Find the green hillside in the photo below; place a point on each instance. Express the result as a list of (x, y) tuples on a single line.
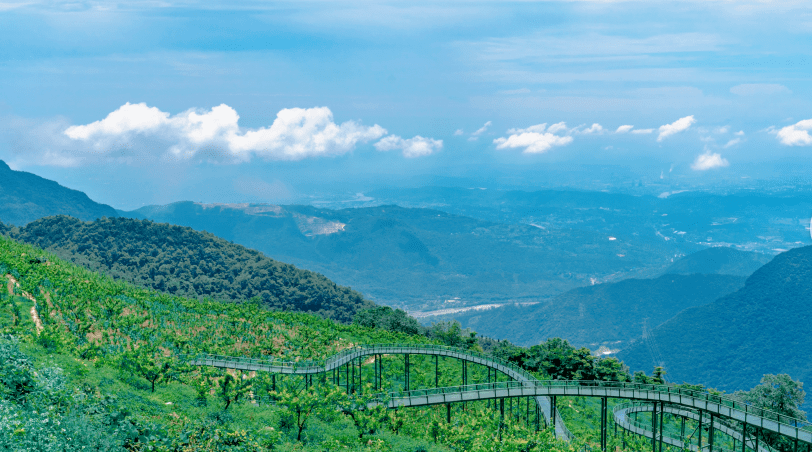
[(720, 260), (25, 197), (104, 363), (184, 262), (730, 343), (419, 258), (608, 314)]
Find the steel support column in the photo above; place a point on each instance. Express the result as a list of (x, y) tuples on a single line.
[(710, 434), (662, 411), (406, 371), (436, 371), (603, 424), (553, 414), (654, 428), (448, 412), (699, 432)]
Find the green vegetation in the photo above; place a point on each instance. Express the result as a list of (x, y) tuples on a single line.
[(610, 314), (181, 261), (25, 197), (731, 343), (111, 338), (418, 258), (719, 260)]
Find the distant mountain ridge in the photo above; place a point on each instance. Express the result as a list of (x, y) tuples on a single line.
[(730, 343), (25, 197), (719, 260), (417, 257), (610, 314), (181, 261)]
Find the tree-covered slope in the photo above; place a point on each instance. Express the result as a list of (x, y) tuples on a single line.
[(90, 362), (720, 260), (608, 314), (418, 258), (25, 197), (184, 262), (730, 343)]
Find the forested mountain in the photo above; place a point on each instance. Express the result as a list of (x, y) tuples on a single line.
[(419, 258), (90, 362), (608, 314), (25, 197), (720, 260), (755, 220), (184, 262), (730, 343)]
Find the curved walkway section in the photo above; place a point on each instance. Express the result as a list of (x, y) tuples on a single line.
[(347, 356), (622, 418), (719, 406)]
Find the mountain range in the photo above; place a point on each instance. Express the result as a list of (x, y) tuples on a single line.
[(419, 258), (25, 197), (730, 343)]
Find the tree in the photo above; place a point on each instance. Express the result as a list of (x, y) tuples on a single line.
[(302, 402), (149, 363), (366, 409), (779, 393), (231, 389)]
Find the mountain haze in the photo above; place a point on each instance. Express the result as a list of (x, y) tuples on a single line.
[(608, 314), (719, 260), (25, 197), (419, 258), (730, 343)]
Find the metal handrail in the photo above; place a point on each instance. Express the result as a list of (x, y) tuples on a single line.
[(319, 366)]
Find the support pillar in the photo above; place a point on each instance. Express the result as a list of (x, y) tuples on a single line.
[(710, 434), (699, 431), (538, 416), (273, 382), (654, 428), (448, 412), (436, 371), (682, 429), (501, 417), (553, 415), (662, 411), (406, 372), (603, 424)]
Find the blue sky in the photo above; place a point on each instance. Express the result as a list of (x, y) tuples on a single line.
[(152, 102)]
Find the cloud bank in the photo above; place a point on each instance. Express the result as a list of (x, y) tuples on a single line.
[(536, 139), (796, 134), (413, 147), (708, 161), (296, 134), (677, 126)]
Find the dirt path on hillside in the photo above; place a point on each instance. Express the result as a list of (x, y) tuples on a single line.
[(12, 282)]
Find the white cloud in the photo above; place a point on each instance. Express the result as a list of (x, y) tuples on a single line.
[(796, 134), (759, 89), (642, 131), (624, 129), (557, 127), (458, 132), (708, 161), (722, 130), (740, 133), (677, 126), (733, 142), (413, 147), (482, 129), (534, 139), (295, 134), (594, 129)]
